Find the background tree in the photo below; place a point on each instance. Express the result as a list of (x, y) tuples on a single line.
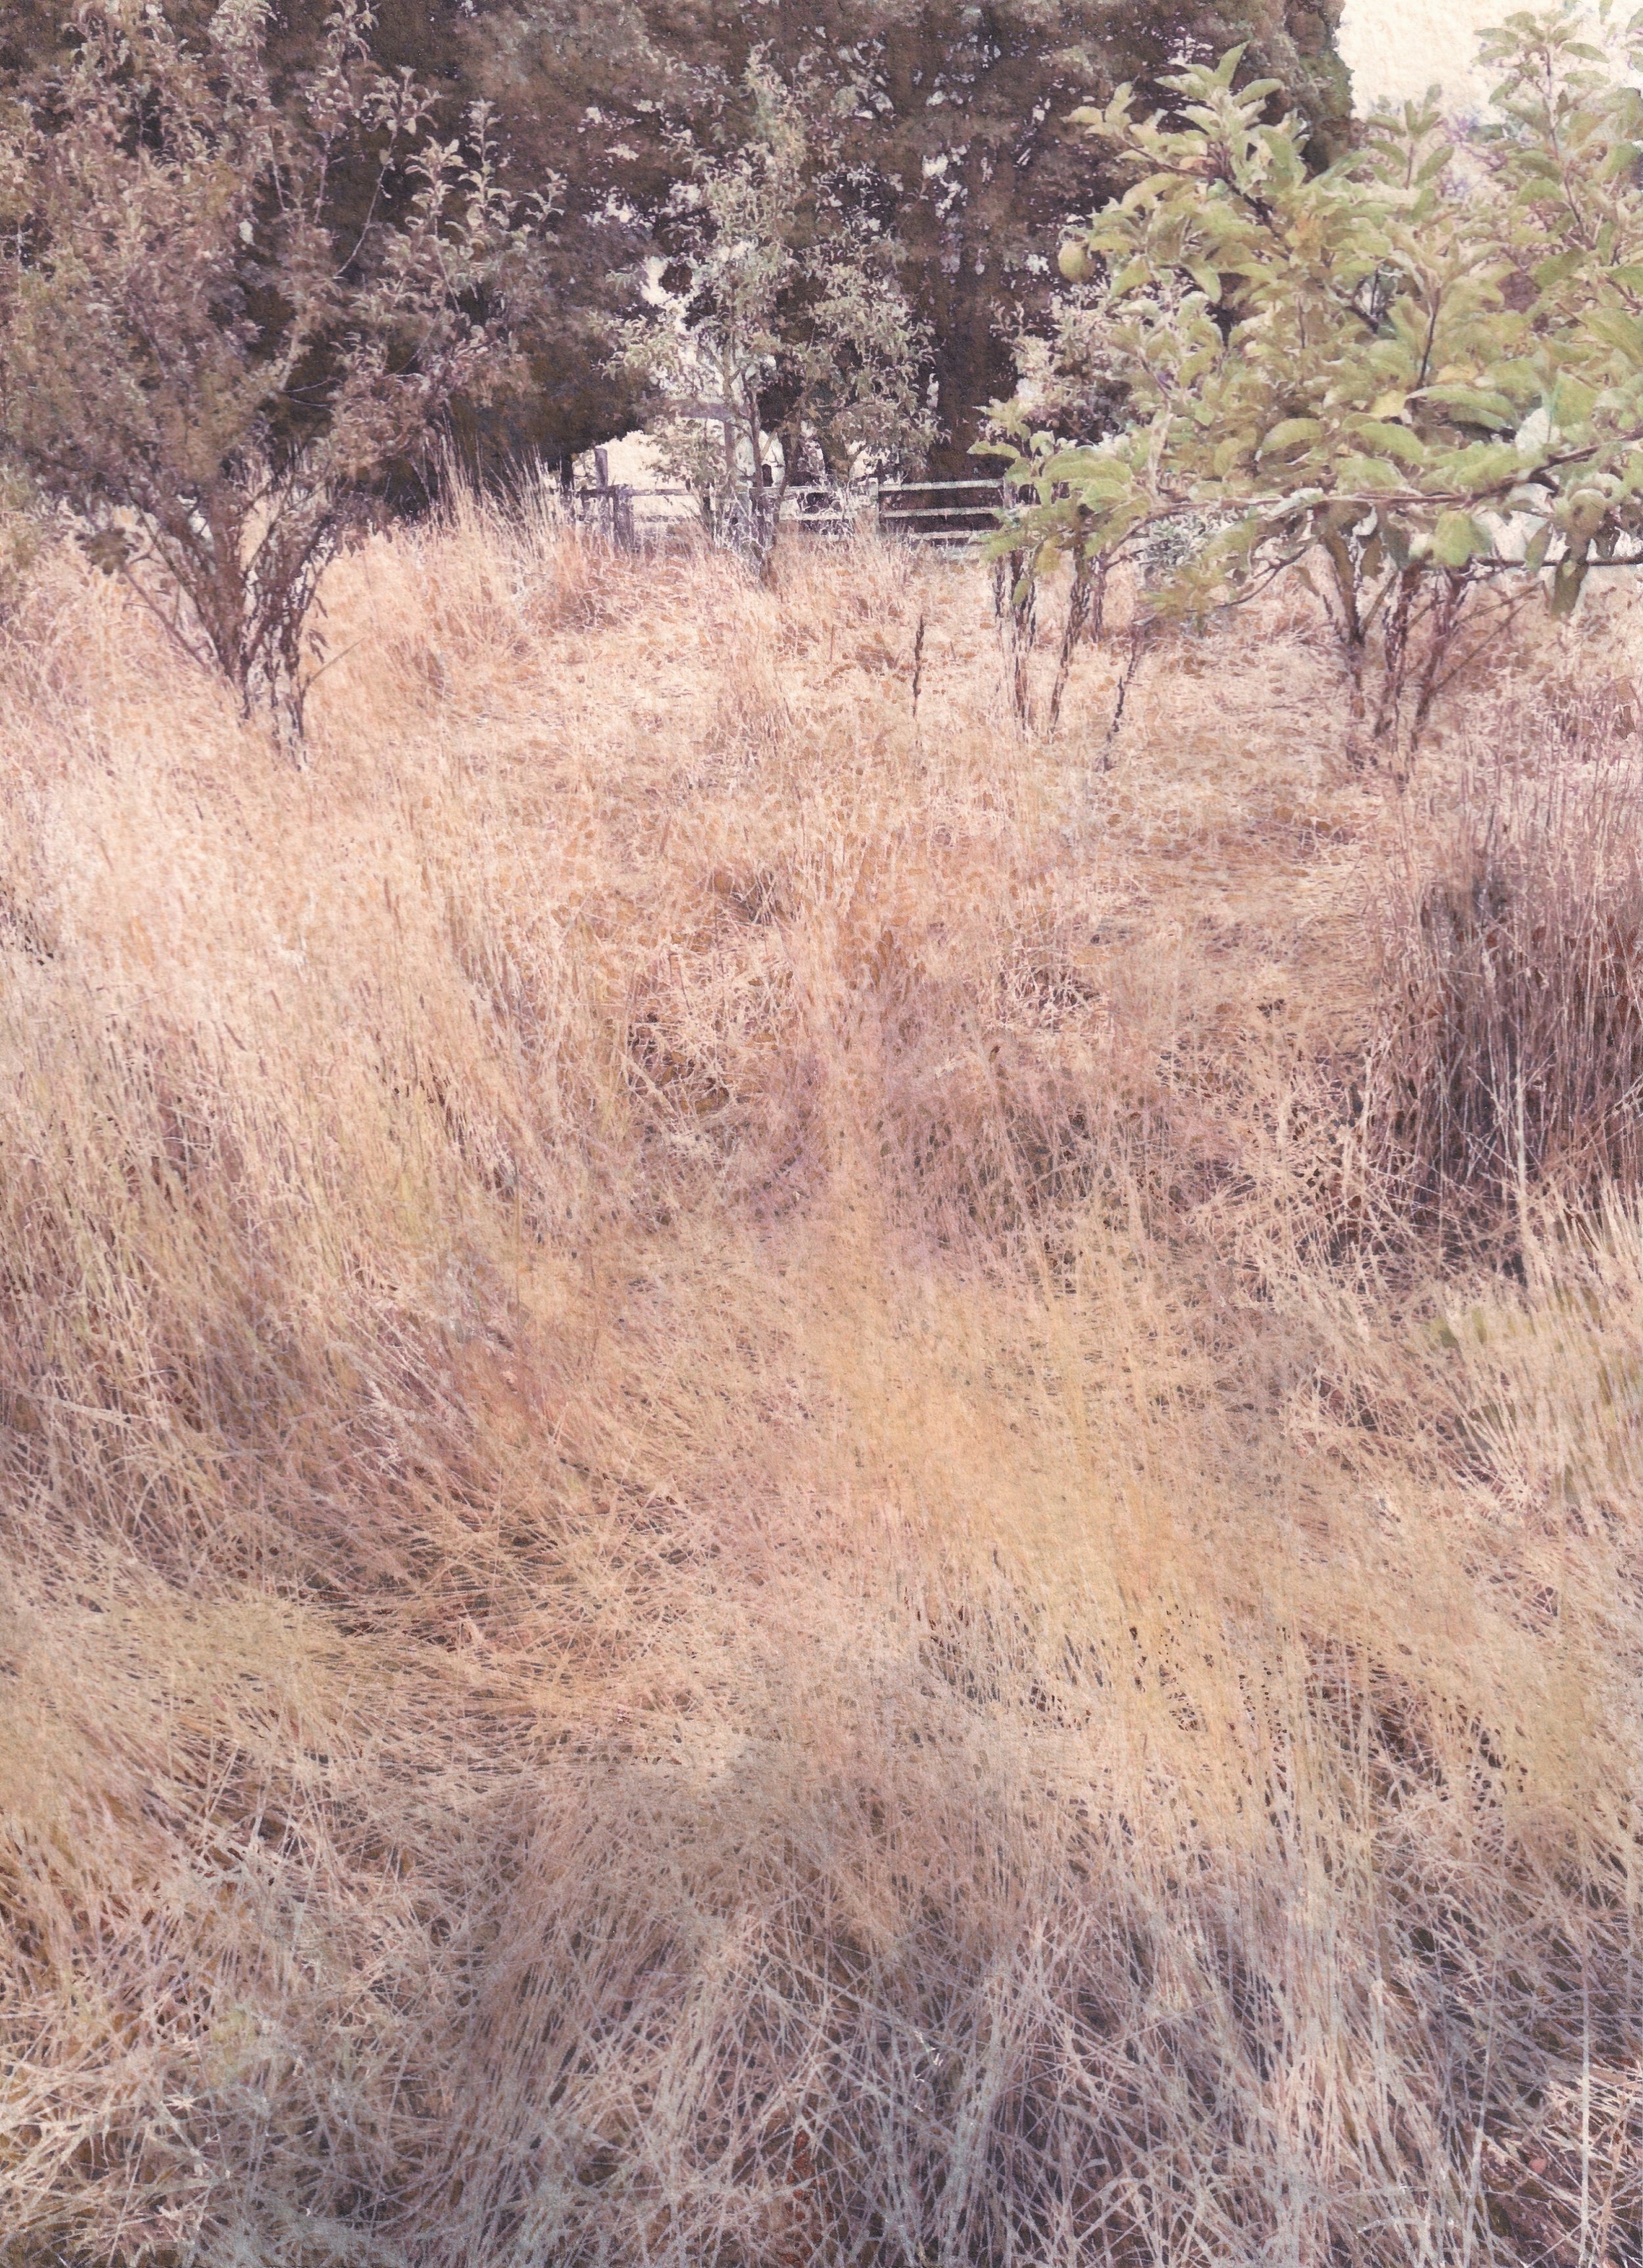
[(190, 360), (948, 120), (565, 393), (785, 344)]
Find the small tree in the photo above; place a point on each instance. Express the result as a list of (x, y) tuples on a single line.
[(782, 330), (1423, 373), (191, 362)]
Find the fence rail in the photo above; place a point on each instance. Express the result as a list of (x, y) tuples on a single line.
[(913, 512), (919, 512)]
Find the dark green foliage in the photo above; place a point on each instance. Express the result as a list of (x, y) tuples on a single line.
[(949, 122), (565, 397), (786, 349), (938, 145)]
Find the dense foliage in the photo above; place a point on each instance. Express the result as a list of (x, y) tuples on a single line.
[(943, 126), (1421, 365), (265, 263)]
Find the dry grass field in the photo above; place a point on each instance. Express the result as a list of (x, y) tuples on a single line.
[(789, 1480)]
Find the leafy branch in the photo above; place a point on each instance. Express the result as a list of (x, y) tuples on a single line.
[(1424, 362)]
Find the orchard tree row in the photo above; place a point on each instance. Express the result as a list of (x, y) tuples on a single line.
[(937, 128), (259, 266)]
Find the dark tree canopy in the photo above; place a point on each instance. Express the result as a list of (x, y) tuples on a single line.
[(950, 122), (592, 263)]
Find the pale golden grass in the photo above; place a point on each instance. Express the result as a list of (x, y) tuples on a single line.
[(714, 1551)]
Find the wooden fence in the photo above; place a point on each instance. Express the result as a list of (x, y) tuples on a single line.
[(947, 514), (938, 515), (942, 515)]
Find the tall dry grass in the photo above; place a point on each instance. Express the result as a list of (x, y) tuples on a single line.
[(711, 1557), (1511, 1053)]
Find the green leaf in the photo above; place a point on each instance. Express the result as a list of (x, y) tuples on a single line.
[(1289, 432), (1368, 476), (1617, 328), (1566, 587), (1457, 538), (1485, 465), (1086, 465), (1517, 377), (1470, 405), (1540, 543), (1553, 271), (1390, 439), (1105, 481), (1572, 402)]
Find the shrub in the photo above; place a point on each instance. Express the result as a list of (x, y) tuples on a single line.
[(190, 359)]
